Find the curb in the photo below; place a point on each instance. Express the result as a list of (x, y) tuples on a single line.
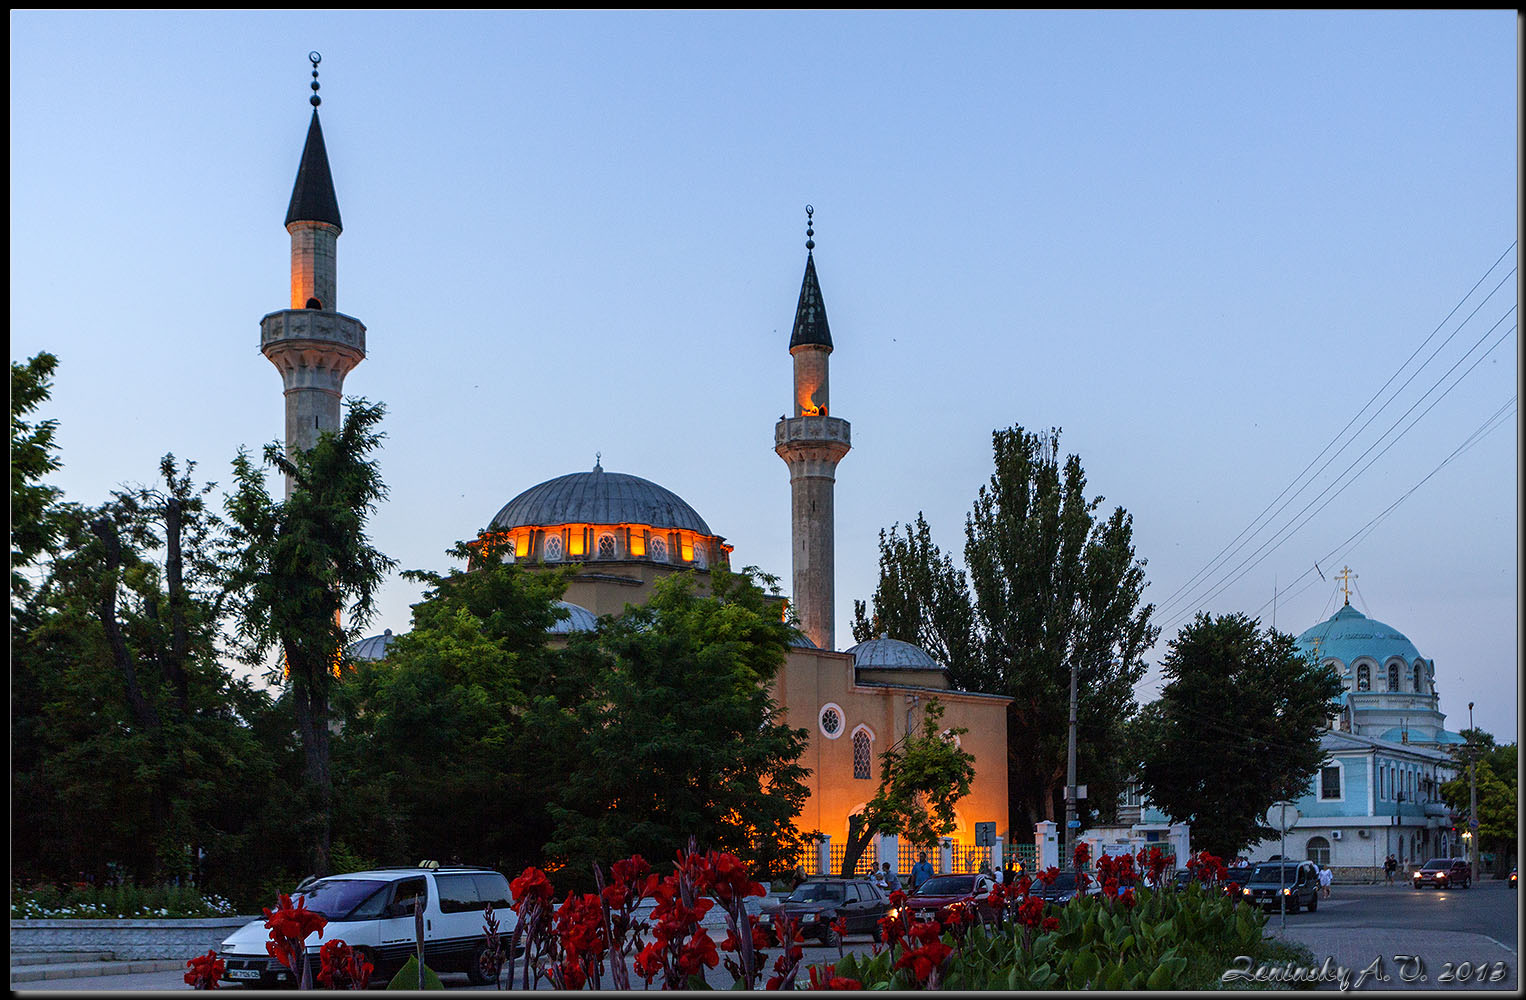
[(74, 970)]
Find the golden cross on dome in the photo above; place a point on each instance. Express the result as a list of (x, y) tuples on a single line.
[(1345, 576)]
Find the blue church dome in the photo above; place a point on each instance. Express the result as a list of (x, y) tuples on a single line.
[(1348, 634), (599, 497)]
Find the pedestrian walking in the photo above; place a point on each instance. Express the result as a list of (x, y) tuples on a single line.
[(1326, 876), (1389, 867), (889, 880)]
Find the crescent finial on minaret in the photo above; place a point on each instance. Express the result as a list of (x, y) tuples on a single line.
[(810, 244), (315, 58)]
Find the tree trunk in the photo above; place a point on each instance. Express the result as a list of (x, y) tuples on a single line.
[(143, 711), (859, 832), (311, 710), (175, 663)]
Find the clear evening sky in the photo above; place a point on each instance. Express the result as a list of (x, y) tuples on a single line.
[(1200, 244)]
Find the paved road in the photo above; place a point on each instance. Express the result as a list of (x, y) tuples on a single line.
[(1456, 939), (1360, 929)]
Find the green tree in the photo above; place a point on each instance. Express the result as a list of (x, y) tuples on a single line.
[(922, 776), (296, 566), (1237, 728), (1051, 586), (35, 518), (1496, 778), (669, 729), (455, 689)]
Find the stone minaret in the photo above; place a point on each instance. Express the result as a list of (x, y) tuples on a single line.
[(311, 345), (811, 444)]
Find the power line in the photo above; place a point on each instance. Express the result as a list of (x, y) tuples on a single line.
[(1232, 546), (1282, 534)]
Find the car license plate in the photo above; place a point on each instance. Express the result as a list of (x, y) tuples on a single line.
[(924, 915), (243, 973)]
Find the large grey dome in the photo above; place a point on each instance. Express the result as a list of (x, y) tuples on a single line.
[(579, 619), (372, 647), (599, 497), (892, 654)]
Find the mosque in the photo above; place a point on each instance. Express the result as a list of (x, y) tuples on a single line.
[(624, 533)]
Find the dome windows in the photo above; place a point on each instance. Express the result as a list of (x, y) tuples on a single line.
[(1363, 677), (657, 549), (607, 548), (551, 549)]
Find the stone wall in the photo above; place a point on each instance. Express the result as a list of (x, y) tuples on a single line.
[(125, 939)]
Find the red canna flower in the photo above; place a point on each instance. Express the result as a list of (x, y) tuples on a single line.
[(531, 885), (203, 971), (1051, 923)]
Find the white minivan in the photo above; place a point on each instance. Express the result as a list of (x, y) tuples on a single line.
[(372, 912)]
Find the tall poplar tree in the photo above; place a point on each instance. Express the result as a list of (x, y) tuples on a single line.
[(1051, 584)]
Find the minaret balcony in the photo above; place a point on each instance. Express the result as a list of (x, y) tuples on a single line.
[(812, 430), (312, 327)]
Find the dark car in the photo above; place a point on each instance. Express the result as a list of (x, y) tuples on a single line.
[(1511, 881), (1063, 889), (953, 891), (1271, 882), (1444, 873), (818, 902)]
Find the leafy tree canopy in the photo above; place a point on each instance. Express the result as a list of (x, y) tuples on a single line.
[(669, 729), (35, 522), (1237, 727), (1497, 781)]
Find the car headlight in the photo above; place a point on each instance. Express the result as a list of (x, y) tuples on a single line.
[(1287, 891), (892, 913)]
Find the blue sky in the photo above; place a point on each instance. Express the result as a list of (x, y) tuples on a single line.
[(1197, 243)]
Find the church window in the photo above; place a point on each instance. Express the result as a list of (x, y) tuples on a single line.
[(830, 720), (658, 549), (861, 755), (699, 555), (1393, 677), (1417, 679), (1319, 851), (551, 551), (1330, 782), (606, 546), (1364, 678)]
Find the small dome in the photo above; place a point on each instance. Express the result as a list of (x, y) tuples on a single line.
[(892, 654), (599, 497), (371, 648), (1349, 634), (803, 641), (579, 619)]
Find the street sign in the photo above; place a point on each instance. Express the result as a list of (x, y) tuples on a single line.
[(985, 834), (1074, 824), (1282, 816)]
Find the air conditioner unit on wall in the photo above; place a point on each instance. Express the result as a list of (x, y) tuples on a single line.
[(1364, 834), (1335, 835)]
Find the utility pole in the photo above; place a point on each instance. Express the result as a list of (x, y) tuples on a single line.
[(1070, 775), (1472, 798)]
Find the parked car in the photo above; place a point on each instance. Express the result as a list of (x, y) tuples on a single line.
[(372, 912), (1063, 889), (1444, 873), (1271, 882), (816, 903), (951, 892)]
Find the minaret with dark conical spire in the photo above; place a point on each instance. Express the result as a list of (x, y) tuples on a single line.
[(811, 444), (313, 346)]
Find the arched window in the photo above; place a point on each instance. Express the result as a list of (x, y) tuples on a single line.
[(1393, 677), (1418, 677), (657, 548), (551, 551), (606, 546), (1319, 851), (1364, 678), (699, 555), (861, 755)]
